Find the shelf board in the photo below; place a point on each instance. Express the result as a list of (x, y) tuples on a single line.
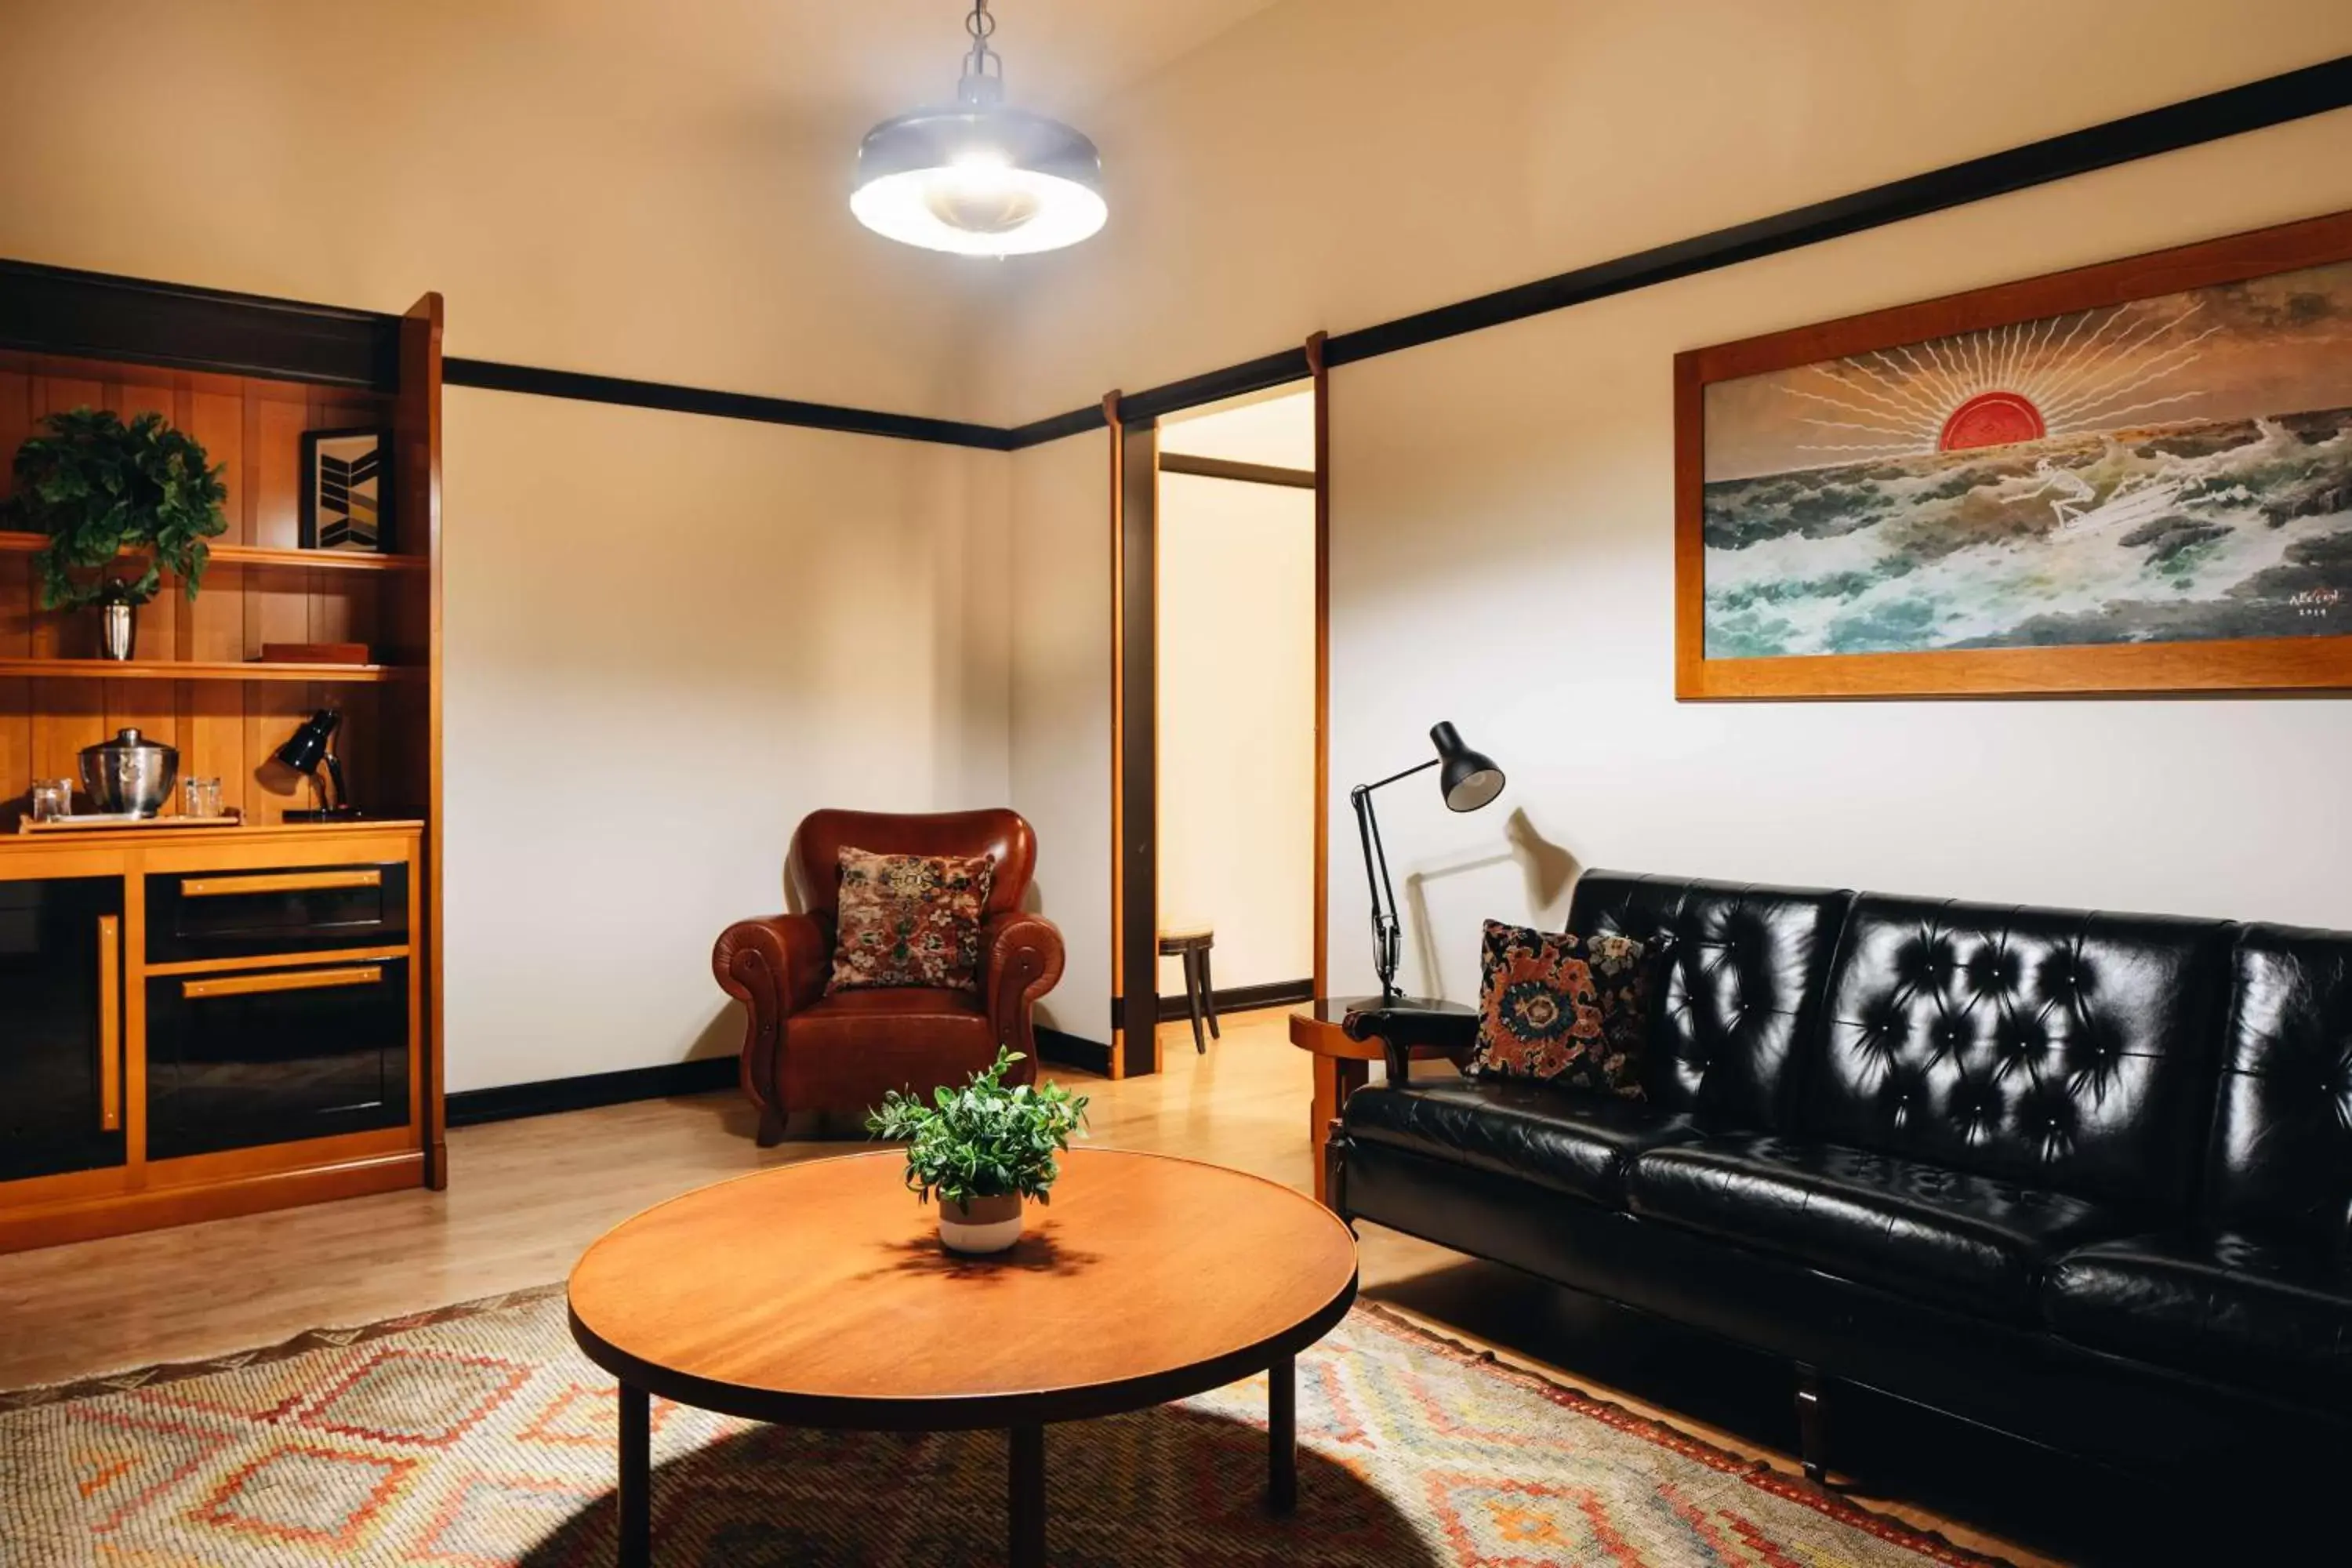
[(18, 543), (199, 669)]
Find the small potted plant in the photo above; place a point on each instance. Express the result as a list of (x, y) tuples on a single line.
[(100, 488), (984, 1149)]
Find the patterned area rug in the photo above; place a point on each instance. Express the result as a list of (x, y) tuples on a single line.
[(477, 1436)]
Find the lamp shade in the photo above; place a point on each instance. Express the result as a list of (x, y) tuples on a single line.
[(979, 179), (1470, 779), (308, 745)]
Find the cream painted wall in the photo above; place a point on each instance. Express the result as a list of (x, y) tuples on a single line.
[(1501, 552), (578, 208), (1539, 617), (1060, 709), (697, 629), (1237, 724), (1334, 163), (668, 638)]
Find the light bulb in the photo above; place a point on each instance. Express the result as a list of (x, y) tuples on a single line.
[(979, 195)]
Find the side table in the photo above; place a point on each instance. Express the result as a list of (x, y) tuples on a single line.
[(1341, 1065)]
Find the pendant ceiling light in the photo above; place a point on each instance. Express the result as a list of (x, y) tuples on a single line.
[(979, 178)]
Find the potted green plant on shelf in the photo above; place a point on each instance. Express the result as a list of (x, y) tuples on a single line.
[(98, 489), (984, 1149)]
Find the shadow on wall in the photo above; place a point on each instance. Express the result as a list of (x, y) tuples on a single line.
[(1547, 869)]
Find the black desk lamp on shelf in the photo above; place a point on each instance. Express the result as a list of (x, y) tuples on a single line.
[(1469, 780), (311, 748)]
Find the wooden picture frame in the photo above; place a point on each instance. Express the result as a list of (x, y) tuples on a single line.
[(333, 516), (2009, 432)]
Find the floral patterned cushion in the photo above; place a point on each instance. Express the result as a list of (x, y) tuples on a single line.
[(1571, 1010), (909, 920)]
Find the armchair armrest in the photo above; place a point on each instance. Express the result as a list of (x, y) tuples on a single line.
[(775, 965), (1021, 960), (1402, 1030)]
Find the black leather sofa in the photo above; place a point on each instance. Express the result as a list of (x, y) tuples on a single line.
[(2084, 1178)]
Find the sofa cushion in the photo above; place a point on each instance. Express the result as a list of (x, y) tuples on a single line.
[(1569, 1142), (1974, 1243), (1562, 1009), (2275, 1315), (2050, 1048), (1740, 993), (2281, 1161)]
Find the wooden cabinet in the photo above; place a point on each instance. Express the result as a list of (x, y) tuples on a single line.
[(197, 1021), (60, 1026), (203, 1022)]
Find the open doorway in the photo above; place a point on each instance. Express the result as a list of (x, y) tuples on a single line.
[(1262, 454), (1236, 674)]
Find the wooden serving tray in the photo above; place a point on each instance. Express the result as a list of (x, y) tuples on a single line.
[(99, 822)]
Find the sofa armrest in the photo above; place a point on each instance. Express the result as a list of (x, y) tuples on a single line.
[(775, 965), (1021, 960), (1403, 1030)]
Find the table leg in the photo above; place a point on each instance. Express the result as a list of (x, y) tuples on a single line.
[(1025, 1498), (1335, 1078), (636, 1478), (1282, 1436)]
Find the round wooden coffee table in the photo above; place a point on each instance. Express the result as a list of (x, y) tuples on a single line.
[(817, 1295)]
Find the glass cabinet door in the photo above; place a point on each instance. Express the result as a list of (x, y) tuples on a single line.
[(256, 1056), (60, 1026)]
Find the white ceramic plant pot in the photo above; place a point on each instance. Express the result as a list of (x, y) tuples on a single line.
[(985, 1224)]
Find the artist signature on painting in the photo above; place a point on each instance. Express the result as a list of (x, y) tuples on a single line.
[(2313, 603)]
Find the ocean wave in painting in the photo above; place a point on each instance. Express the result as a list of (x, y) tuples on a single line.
[(2169, 532)]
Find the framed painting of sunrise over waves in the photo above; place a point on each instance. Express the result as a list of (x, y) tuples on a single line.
[(2136, 477)]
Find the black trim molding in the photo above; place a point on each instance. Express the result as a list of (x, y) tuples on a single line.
[(95, 315), (1225, 468), (511, 1101), (494, 376), (1072, 1050), (1241, 998), (2273, 101)]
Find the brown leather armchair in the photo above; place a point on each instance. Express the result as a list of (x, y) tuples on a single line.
[(806, 1051)]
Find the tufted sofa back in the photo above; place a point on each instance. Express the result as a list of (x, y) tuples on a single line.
[(2281, 1161), (2051, 1048), (1743, 991)]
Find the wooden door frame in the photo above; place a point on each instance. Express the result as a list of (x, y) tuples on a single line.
[(1134, 449)]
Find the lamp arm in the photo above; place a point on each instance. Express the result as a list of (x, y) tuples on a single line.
[(1387, 929), (335, 772)]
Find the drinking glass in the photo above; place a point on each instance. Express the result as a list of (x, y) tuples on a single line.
[(52, 798), (200, 797)]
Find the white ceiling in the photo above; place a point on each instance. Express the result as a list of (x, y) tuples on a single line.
[(830, 61)]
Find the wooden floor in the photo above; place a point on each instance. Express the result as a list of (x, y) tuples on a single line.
[(525, 1197)]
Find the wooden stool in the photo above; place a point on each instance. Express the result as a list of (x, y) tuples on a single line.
[(1193, 943)]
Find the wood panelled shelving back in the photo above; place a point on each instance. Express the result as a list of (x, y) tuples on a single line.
[(197, 684)]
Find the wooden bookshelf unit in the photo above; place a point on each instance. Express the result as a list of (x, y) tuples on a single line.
[(169, 996)]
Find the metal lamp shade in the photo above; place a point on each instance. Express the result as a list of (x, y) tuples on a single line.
[(1469, 779), (306, 747), (979, 180)]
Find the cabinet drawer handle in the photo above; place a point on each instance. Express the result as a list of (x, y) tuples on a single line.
[(277, 882), (293, 980), (110, 1022)]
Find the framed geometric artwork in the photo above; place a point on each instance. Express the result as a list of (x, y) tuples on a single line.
[(2129, 478), (347, 491)]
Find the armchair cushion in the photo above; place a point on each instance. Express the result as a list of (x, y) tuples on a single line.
[(911, 920)]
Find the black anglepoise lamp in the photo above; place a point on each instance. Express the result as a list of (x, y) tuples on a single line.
[(312, 746), (1469, 780)]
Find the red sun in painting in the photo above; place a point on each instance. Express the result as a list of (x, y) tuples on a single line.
[(1991, 419)]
